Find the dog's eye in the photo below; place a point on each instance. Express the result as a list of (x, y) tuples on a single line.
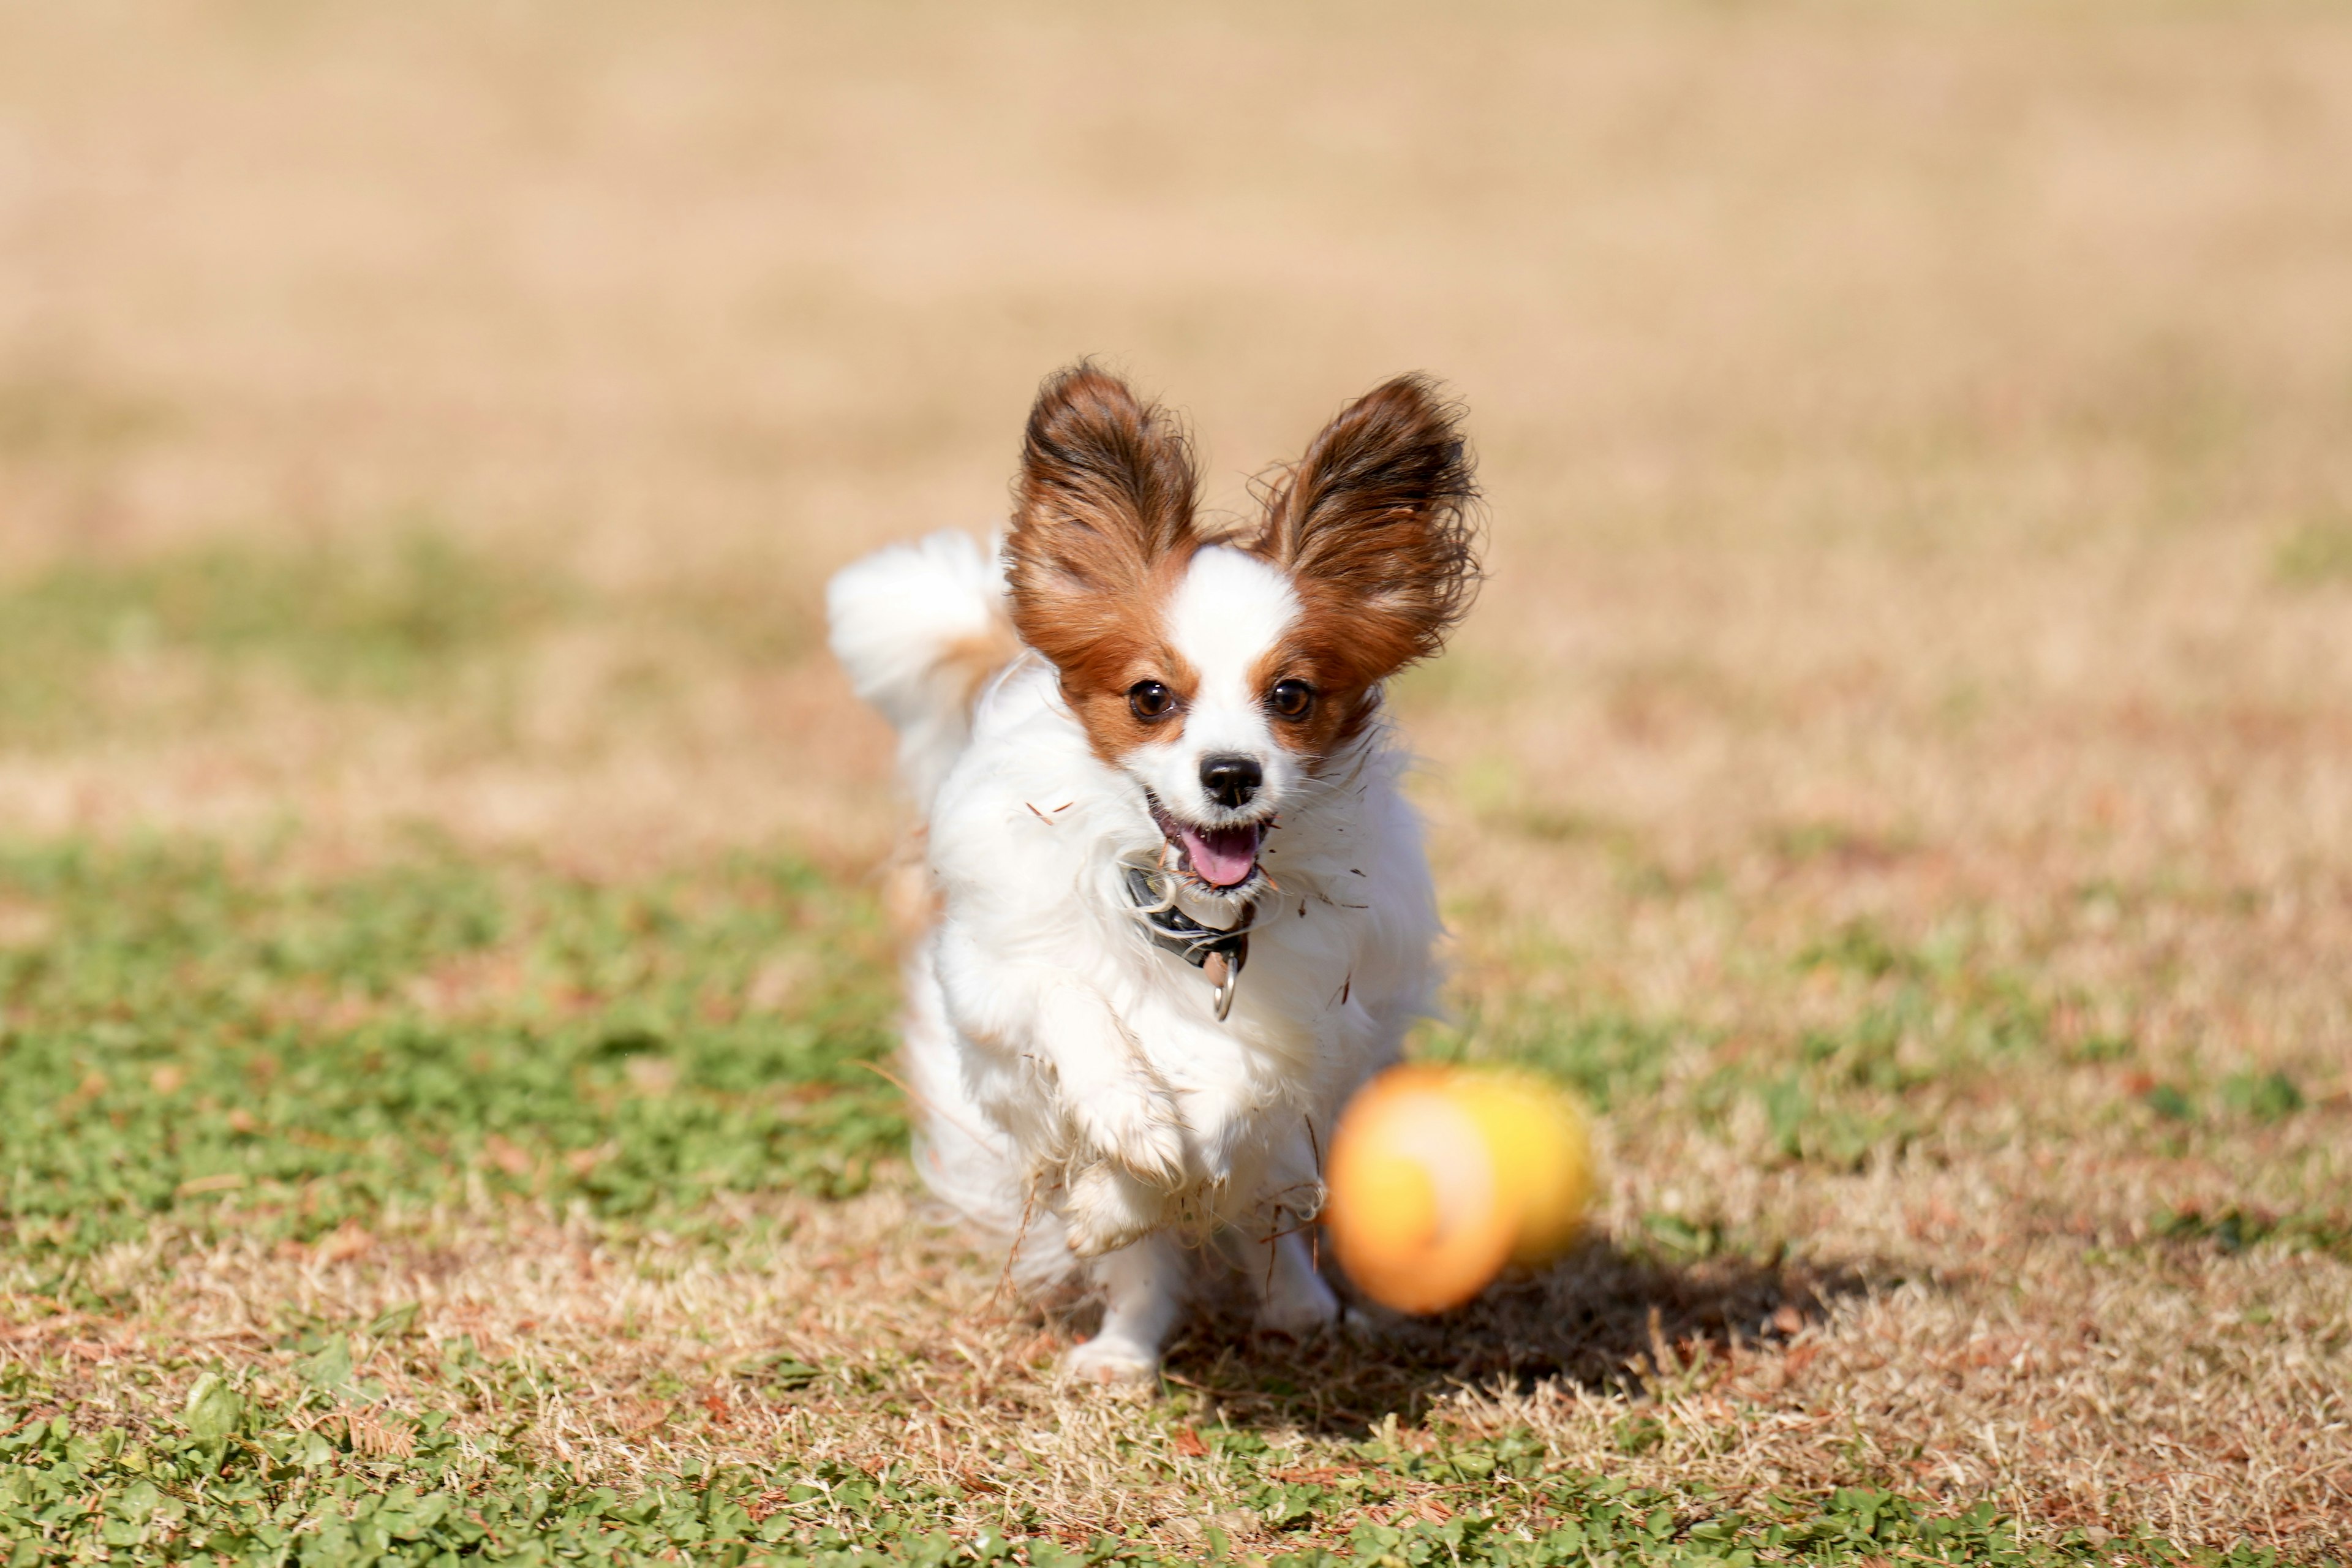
[(1151, 700), (1292, 698)]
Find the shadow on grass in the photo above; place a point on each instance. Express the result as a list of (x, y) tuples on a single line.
[(1604, 1319)]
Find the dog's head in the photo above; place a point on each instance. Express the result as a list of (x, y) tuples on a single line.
[(1222, 674)]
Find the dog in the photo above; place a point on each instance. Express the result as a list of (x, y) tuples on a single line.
[(1179, 905)]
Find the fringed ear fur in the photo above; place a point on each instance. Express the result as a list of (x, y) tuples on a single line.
[(1377, 527), (1103, 510)]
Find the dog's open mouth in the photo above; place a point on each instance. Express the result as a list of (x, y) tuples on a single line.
[(1221, 856)]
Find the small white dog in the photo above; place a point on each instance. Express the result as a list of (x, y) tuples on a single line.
[(1182, 909)]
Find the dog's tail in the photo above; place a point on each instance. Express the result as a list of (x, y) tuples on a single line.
[(920, 627)]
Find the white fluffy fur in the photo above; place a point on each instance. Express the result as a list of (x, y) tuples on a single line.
[(896, 617), (1077, 1090)]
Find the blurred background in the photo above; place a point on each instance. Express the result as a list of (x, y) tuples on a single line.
[(1922, 428), (1900, 768)]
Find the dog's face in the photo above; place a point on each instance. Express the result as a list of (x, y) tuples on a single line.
[(1221, 674)]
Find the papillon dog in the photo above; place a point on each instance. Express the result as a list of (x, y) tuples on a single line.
[(1177, 907)]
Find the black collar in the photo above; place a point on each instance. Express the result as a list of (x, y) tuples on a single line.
[(1219, 955)]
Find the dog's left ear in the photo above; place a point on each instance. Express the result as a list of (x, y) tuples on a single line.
[(1376, 525)]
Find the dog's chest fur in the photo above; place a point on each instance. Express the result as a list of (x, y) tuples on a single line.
[(1030, 840)]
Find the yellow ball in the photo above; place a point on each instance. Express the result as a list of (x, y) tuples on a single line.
[(1441, 1176)]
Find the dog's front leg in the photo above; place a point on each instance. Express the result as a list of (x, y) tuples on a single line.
[(1143, 1288), (1118, 1109), (1071, 1086), (1293, 1298)]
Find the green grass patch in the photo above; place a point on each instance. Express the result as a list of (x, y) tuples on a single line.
[(186, 1039), (1609, 1057), (2260, 1097), (1915, 1025), (391, 619), (1920, 1022), (2235, 1228), (2318, 553), (230, 1474)]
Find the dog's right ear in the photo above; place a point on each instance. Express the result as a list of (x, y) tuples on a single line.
[(1102, 512)]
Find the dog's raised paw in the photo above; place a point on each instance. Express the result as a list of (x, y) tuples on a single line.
[(1135, 1126), (1108, 1209)]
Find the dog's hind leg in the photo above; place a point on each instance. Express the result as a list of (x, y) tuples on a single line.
[(1293, 1298), (1143, 1288)]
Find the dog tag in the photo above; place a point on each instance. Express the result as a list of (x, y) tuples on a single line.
[(1222, 973)]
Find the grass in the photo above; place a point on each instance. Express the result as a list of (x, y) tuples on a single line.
[(2318, 553), (301, 1477), (219, 1049), (205, 636), (348, 1102), (400, 620)]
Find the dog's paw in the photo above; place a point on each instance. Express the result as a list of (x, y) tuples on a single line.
[(1300, 1308), (1109, 1360), (1104, 1209), (1134, 1125)]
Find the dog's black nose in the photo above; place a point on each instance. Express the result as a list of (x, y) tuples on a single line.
[(1231, 780)]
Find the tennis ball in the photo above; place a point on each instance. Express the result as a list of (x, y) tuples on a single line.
[(1441, 1176)]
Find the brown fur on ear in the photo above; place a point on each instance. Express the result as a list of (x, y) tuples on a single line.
[(1376, 527), (1102, 528)]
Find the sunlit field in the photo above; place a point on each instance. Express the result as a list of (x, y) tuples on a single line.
[(1899, 769)]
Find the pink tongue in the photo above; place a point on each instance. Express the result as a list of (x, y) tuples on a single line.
[(1221, 856)]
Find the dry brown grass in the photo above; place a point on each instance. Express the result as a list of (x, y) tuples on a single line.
[(1919, 448), (1945, 1354)]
